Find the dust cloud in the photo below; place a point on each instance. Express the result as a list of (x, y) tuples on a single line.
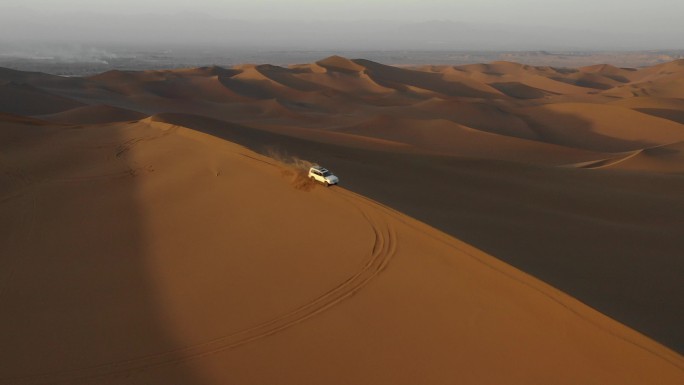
[(293, 167)]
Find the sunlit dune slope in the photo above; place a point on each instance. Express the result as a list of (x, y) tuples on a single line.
[(601, 127), (551, 222), (151, 253), (447, 137), (572, 175)]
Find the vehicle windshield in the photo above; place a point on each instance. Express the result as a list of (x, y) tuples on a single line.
[(326, 173)]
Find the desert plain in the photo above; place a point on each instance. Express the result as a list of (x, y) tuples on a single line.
[(495, 223)]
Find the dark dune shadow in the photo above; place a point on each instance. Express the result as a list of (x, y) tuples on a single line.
[(673, 115), (519, 90), (612, 240), (585, 82), (430, 81), (256, 89), (77, 298), (285, 77), (24, 99), (617, 78)]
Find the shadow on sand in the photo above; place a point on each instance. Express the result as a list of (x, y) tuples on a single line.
[(78, 300)]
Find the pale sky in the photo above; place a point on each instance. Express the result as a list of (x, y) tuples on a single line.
[(541, 24)]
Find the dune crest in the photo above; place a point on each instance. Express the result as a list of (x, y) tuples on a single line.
[(225, 292), (340, 64), (573, 108), (495, 223), (94, 115)]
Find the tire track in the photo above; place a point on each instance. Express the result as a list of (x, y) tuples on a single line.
[(673, 359), (383, 249)]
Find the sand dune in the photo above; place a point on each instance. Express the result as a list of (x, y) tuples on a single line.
[(600, 127), (168, 300), (446, 137), (520, 90), (443, 84), (275, 108), (669, 70), (546, 79), (267, 138), (667, 158), (287, 77), (479, 115), (340, 64), (663, 88), (345, 76), (94, 115), (597, 82), (24, 99), (38, 79), (496, 223), (609, 70), (338, 92), (12, 118)]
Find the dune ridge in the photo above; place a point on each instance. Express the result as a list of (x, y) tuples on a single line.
[(573, 108), (495, 223), (295, 296)]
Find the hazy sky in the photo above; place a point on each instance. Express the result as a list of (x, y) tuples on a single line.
[(613, 13), (541, 24)]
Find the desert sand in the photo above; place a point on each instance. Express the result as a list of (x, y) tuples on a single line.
[(498, 223)]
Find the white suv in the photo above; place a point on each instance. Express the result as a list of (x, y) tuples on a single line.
[(320, 174)]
